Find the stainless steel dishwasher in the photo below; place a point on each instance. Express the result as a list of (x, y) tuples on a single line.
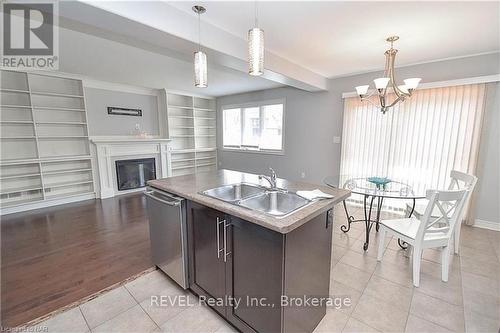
[(167, 230)]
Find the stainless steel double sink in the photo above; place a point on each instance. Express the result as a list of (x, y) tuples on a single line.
[(275, 202)]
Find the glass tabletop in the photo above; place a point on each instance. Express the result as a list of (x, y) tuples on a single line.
[(373, 187)]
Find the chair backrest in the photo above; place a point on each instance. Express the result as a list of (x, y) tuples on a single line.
[(450, 204), (462, 180)]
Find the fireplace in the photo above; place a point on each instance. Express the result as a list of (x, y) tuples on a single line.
[(131, 174)]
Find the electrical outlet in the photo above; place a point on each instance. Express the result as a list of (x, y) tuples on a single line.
[(303, 174), (336, 139)]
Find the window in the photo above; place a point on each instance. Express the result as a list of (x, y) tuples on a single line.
[(254, 127)]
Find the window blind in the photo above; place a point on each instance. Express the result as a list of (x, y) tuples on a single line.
[(417, 142)]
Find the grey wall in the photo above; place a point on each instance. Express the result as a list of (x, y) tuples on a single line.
[(313, 119), (101, 123), (488, 169)]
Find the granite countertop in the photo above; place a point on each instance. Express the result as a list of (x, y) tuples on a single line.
[(189, 186)]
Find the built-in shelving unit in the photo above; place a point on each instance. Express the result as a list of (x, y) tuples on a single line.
[(45, 151), (192, 128)]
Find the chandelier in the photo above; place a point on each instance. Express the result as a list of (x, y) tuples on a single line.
[(387, 84)]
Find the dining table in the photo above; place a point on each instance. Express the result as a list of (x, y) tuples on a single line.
[(374, 192)]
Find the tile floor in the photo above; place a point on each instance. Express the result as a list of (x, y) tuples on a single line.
[(382, 295)]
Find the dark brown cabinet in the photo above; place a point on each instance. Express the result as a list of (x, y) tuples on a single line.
[(230, 257), (254, 274), (207, 269)]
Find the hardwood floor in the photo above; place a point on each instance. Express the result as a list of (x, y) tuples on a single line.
[(55, 256)]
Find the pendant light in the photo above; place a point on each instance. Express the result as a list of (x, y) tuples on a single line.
[(200, 58), (256, 49)]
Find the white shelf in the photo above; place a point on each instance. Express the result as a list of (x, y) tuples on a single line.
[(52, 159), (17, 137), (14, 91), (16, 122), (56, 152), (206, 118), (58, 172), (67, 195), (183, 160), (180, 107), (55, 94), (20, 176), (16, 106), (206, 157), (184, 167), (60, 123), (181, 117), (21, 201), (57, 108), (206, 164), (191, 131), (21, 189), (65, 184), (64, 137)]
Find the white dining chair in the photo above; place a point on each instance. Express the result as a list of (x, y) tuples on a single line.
[(459, 180), (429, 231)]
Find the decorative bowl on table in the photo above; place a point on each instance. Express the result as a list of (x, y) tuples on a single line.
[(380, 182)]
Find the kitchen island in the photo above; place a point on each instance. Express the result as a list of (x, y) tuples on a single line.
[(264, 273)]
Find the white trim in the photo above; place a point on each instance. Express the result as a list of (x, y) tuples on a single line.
[(486, 225), (242, 150), (46, 203), (341, 76), (448, 83)]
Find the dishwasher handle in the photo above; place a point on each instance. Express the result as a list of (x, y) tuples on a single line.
[(170, 203)]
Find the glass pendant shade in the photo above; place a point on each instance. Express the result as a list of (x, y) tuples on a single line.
[(381, 83), (256, 51), (412, 83), (200, 70), (362, 90)]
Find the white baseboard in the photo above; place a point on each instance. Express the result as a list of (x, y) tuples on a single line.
[(487, 225), (46, 203)]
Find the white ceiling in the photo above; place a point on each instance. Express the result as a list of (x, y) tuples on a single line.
[(340, 38)]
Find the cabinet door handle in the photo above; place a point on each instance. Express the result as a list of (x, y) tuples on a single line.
[(218, 236), (226, 253)]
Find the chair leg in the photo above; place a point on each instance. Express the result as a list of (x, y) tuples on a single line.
[(417, 257), (381, 242), (456, 238), (445, 263)]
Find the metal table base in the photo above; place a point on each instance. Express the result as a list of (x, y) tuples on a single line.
[(369, 222)]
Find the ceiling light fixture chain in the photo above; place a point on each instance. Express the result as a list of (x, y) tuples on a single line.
[(200, 58), (388, 83)]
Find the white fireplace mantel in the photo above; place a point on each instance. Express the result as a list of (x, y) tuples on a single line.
[(108, 149)]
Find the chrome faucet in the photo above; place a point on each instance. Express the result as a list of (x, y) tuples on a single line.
[(271, 179)]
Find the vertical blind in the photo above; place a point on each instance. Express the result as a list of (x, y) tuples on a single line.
[(419, 141)]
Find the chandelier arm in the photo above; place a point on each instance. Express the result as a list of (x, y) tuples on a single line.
[(392, 57), (399, 99), (375, 105)]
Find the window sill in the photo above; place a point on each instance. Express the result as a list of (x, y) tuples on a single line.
[(265, 152)]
